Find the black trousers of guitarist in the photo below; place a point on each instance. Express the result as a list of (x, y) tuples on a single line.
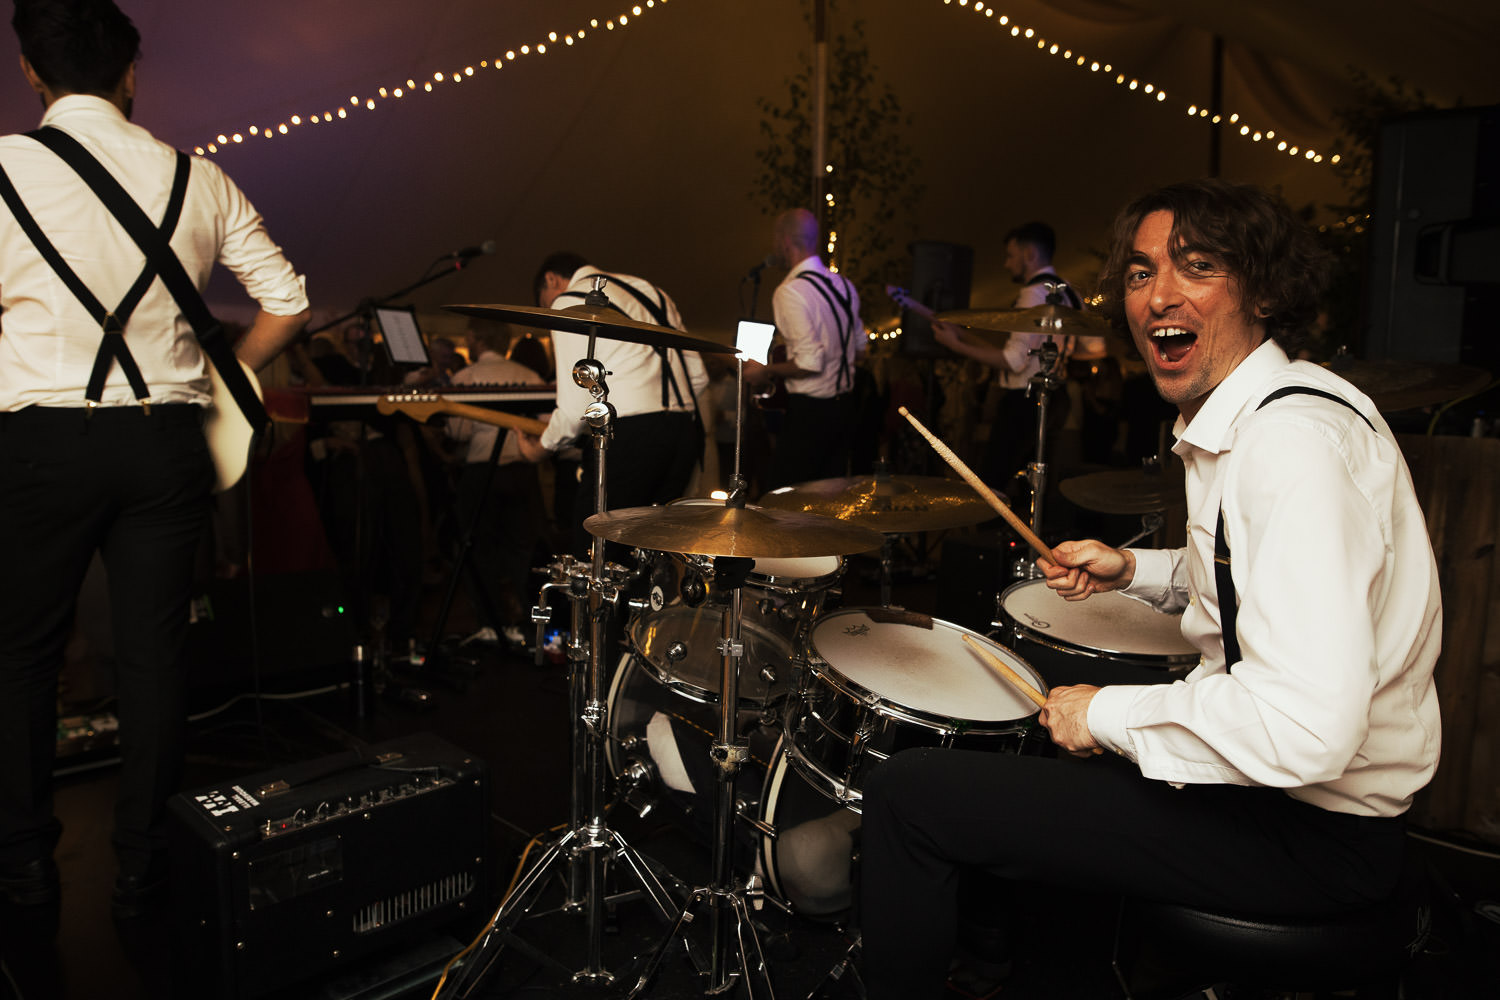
[(135, 487)]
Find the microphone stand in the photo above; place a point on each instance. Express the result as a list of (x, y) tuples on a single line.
[(365, 305)]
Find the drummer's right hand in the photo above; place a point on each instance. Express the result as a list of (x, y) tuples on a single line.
[(531, 446), (1087, 567)]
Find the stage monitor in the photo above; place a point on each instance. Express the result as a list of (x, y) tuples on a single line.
[(402, 336)]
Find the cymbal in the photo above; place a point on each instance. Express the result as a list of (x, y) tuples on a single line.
[(601, 321), (1126, 491), (1044, 319), (1405, 385), (716, 529), (892, 504)]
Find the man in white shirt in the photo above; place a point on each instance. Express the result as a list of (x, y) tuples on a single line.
[(817, 317), (108, 456), (657, 439), (1029, 249), (1273, 779)]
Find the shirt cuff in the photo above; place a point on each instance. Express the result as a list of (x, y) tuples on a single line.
[(1109, 712), (1152, 581)]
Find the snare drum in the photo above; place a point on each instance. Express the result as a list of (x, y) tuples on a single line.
[(1107, 639), (878, 681)]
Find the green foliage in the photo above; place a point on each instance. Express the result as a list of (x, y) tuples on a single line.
[(873, 180)]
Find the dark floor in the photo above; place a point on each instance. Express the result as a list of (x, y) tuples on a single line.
[(514, 716)]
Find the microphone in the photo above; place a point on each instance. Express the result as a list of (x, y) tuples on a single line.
[(467, 253), (766, 262)]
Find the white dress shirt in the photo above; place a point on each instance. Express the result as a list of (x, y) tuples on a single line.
[(1020, 363), (811, 330), (1339, 619), (635, 372), (490, 368), (49, 340)]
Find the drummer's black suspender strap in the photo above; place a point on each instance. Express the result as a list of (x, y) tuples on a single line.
[(162, 260), (841, 303), (1229, 602)]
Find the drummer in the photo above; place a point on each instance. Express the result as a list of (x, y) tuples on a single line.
[(657, 438), (1274, 779)]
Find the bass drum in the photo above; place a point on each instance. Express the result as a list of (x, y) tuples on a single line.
[(1107, 639), (658, 750), (806, 841)]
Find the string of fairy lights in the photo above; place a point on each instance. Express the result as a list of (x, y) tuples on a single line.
[(428, 84), (412, 86), (1145, 88)]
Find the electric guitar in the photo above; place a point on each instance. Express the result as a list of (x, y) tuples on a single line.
[(423, 406)]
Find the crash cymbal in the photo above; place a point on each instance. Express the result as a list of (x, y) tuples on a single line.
[(1404, 385), (1126, 491), (1037, 319), (716, 529), (892, 504), (601, 321)]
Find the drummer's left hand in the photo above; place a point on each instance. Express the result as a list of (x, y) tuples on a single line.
[(1066, 716)]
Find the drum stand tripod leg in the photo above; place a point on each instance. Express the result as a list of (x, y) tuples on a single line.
[(589, 842), (728, 912)]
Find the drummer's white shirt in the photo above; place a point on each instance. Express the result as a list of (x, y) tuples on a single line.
[(1340, 618)]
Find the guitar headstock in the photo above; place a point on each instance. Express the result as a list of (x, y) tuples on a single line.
[(903, 298), (422, 406)]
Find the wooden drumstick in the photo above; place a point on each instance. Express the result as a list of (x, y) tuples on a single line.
[(1002, 668), (1001, 507)]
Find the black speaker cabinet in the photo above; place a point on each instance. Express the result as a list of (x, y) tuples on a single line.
[(300, 871), (941, 274), (1434, 283), (971, 576)]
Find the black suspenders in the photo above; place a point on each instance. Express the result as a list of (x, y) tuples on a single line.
[(1229, 606), (658, 312), (112, 347), (843, 310)]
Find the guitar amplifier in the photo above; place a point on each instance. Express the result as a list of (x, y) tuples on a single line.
[(302, 870)]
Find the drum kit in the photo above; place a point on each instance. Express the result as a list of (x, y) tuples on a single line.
[(743, 687)]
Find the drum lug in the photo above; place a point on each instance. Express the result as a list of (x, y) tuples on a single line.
[(635, 784), (729, 757), (676, 652)]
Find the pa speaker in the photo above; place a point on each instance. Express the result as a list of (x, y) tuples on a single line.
[(941, 274), (1434, 278)]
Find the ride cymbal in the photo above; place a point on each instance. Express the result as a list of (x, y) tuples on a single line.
[(600, 321), (890, 504), (1044, 319), (717, 529), (1126, 491), (1405, 385)]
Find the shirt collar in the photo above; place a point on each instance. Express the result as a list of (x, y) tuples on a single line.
[(1212, 430), (73, 105), (812, 262)]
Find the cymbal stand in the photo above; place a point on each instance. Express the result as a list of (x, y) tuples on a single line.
[(728, 754), (589, 842), (1043, 384), (729, 913)]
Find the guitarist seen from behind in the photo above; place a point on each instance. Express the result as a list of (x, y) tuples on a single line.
[(817, 315), (103, 389)]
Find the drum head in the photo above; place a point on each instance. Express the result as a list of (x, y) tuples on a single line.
[(808, 859), (1108, 624), (682, 646), (933, 671)]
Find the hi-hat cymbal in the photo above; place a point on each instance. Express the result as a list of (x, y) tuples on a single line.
[(1126, 491), (1045, 319), (601, 321), (1404, 385), (716, 529), (893, 504)]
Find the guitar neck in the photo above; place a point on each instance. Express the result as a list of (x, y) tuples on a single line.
[(499, 418), (903, 299)]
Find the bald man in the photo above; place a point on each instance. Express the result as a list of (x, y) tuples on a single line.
[(817, 317)]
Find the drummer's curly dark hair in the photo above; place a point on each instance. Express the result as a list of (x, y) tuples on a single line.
[(1281, 269)]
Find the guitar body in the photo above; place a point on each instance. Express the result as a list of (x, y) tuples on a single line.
[(228, 433)]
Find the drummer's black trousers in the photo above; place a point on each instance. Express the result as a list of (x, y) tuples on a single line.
[(1090, 826)]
